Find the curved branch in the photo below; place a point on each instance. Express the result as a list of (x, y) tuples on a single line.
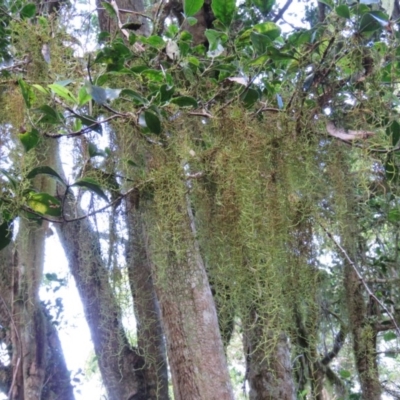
[(337, 346)]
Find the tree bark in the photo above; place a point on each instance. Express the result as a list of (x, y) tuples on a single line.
[(364, 336), (120, 364), (149, 330), (195, 350), (268, 361), (38, 369)]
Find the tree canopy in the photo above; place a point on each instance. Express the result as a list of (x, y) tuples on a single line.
[(228, 173)]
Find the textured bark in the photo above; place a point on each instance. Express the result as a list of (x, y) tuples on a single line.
[(57, 377), (364, 336), (119, 363), (30, 351), (57, 383), (195, 350), (37, 369), (149, 331), (29, 337), (269, 368)]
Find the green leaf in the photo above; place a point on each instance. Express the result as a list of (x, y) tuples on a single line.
[(388, 336), (50, 115), (265, 6), (153, 75), (224, 10), (27, 93), (269, 29), (194, 61), (94, 151), (63, 92), (64, 82), (369, 23), (6, 232), (328, 3), (345, 374), (102, 95), (92, 185), (166, 93), (191, 21), (184, 101), (152, 122), (44, 170), (29, 139), (13, 181), (394, 216), (215, 38), (249, 97), (109, 8), (191, 7), (40, 89), (343, 11), (83, 96), (137, 98), (155, 41), (28, 11), (393, 130), (43, 203), (260, 42)]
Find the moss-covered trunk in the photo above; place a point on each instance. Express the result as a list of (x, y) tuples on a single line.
[(364, 335), (268, 360), (147, 311), (195, 350)]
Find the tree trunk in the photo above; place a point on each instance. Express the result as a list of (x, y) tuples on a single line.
[(120, 365), (195, 350), (268, 362), (37, 363), (149, 331), (29, 349), (57, 382), (364, 336)]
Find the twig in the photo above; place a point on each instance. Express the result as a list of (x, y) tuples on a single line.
[(360, 277), (84, 130)]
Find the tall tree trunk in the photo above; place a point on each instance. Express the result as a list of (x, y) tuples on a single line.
[(195, 350), (120, 364), (57, 383), (29, 350), (38, 366), (361, 321), (149, 331), (364, 335), (268, 361)]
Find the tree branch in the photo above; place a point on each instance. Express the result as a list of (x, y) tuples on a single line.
[(282, 11)]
